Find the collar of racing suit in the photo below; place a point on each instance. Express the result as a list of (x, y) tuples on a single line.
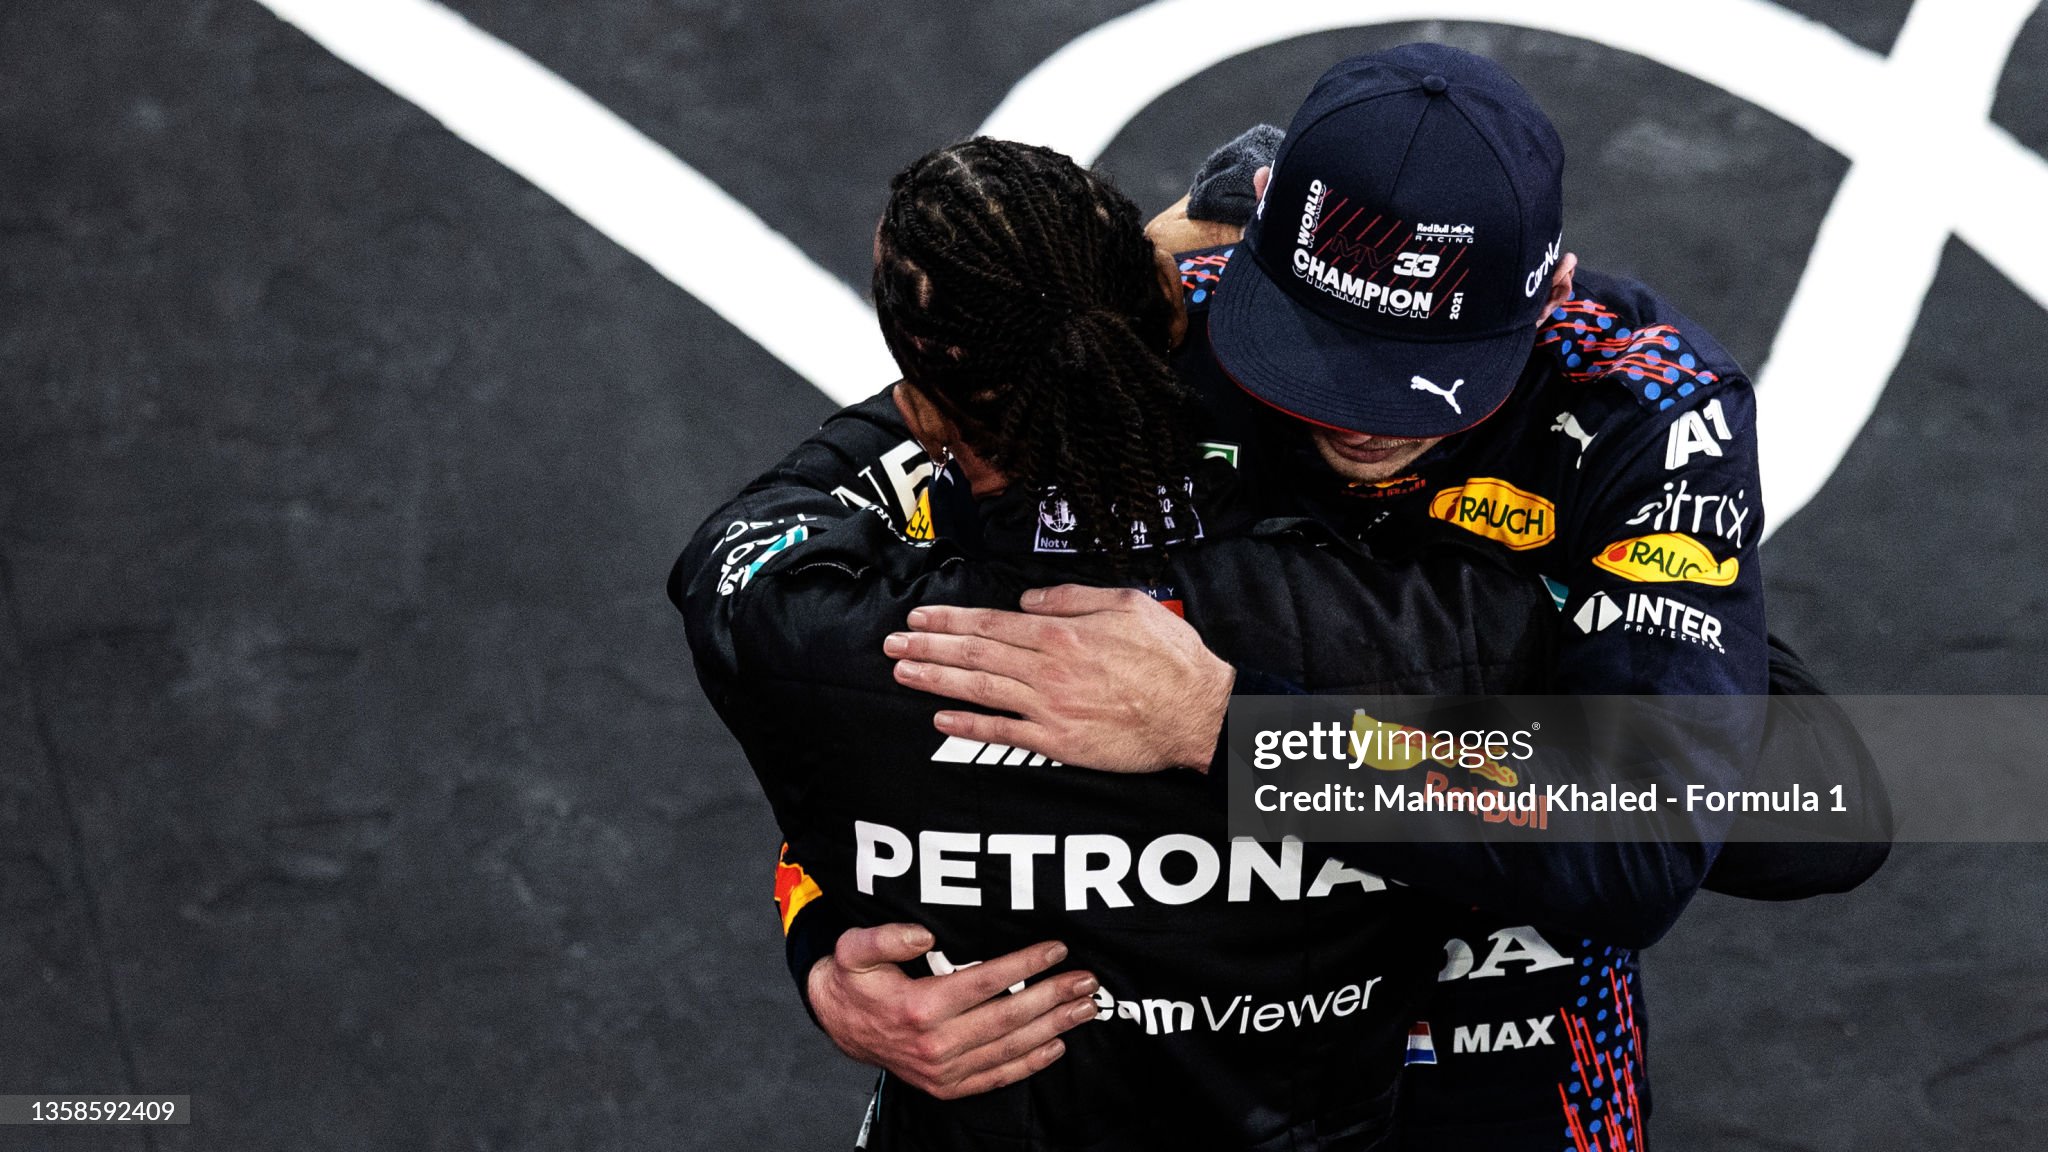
[(1022, 521)]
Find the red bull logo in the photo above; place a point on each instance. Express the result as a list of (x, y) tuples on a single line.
[(794, 888), (1385, 489), (1537, 815), (1392, 747)]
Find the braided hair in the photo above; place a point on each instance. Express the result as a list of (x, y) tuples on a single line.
[(1018, 291)]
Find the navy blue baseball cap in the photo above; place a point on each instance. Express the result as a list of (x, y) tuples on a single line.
[(1392, 278)]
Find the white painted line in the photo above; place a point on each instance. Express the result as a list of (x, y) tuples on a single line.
[(1879, 247), (610, 174), (2000, 193)]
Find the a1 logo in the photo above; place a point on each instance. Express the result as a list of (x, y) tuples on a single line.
[(1689, 436)]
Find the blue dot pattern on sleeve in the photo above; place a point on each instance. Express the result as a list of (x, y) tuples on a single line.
[(1199, 275), (1601, 1110), (1590, 341)]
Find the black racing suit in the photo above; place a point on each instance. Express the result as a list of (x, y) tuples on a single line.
[(1622, 470), (1253, 996)]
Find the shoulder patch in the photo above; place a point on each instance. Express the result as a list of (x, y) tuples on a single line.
[(744, 560), (1199, 275), (1590, 341), (1667, 557)]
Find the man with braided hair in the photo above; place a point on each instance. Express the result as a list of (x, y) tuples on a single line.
[(1103, 442), (1400, 341)]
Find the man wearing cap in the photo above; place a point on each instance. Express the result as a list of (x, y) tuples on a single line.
[(1403, 295), (1401, 337)]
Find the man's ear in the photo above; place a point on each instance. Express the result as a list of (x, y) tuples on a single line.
[(1260, 179), (928, 426), (1561, 282), (1169, 284), (938, 435)]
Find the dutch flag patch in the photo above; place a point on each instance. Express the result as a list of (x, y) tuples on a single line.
[(1421, 1049)]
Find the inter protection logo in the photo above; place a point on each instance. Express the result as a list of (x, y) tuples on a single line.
[(1651, 615)]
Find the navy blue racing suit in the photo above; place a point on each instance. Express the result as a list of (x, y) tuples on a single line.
[(1623, 470)]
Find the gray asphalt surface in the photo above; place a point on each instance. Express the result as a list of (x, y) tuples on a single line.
[(352, 775)]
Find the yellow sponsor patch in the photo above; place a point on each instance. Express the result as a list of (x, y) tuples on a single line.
[(1666, 558), (1499, 511)]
